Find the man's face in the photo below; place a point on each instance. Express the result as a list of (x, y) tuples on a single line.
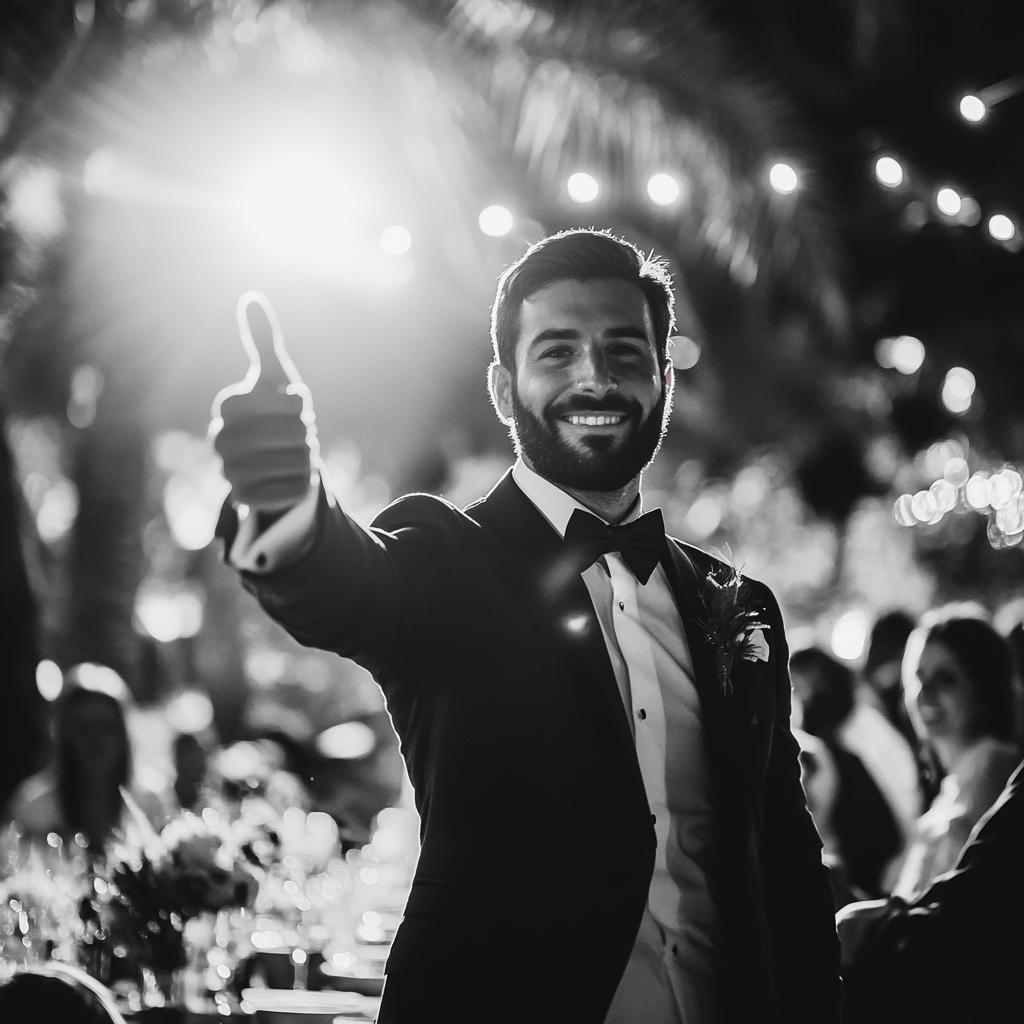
[(587, 402)]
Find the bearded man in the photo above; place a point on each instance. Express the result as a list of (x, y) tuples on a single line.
[(595, 717)]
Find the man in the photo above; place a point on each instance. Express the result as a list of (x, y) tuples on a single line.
[(612, 821)]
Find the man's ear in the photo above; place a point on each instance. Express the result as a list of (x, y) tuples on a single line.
[(499, 384)]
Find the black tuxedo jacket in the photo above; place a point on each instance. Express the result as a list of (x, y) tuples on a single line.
[(537, 841)]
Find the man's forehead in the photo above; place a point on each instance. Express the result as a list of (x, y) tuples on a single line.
[(569, 297)]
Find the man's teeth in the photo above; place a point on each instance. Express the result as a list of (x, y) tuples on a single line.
[(595, 421)]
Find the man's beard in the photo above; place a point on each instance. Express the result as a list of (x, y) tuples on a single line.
[(603, 463)]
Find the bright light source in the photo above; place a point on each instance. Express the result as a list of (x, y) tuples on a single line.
[(948, 201), (958, 389), (957, 472), (1001, 228), (495, 221), (905, 353), (783, 179), (49, 679), (970, 212), (33, 202), (685, 352), (582, 187), (944, 494), (972, 108), (190, 711), (663, 189), (849, 636), (169, 616), (924, 506), (346, 741), (101, 679), (395, 240), (56, 514), (889, 171), (978, 491), (902, 512)]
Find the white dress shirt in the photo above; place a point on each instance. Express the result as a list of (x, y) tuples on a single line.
[(673, 974)]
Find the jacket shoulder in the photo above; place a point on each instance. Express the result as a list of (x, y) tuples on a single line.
[(422, 511)]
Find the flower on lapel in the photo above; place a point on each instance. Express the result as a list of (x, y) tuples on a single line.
[(732, 628)]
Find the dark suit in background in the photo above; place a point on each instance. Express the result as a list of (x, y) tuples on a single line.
[(537, 843)]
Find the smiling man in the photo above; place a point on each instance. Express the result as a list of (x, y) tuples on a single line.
[(613, 828)]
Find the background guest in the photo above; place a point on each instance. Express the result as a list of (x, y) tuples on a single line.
[(876, 799), (80, 790), (957, 676)]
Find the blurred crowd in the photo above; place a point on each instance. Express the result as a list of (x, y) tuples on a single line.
[(908, 764), (911, 770)]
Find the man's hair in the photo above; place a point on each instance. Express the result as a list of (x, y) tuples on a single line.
[(833, 699), (580, 255)]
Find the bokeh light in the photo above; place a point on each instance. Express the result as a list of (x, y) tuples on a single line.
[(904, 353), (168, 615), (849, 635), (190, 711), (889, 171), (346, 741), (948, 201), (1001, 228), (783, 178), (496, 221), (978, 492), (663, 189), (944, 495), (958, 390), (685, 352), (972, 108), (956, 471), (395, 240), (582, 187), (49, 679)]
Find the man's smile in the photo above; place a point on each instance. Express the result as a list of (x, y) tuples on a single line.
[(594, 419)]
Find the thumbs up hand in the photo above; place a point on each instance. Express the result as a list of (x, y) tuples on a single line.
[(263, 428)]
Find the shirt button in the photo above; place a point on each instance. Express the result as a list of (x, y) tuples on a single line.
[(641, 714), (675, 951), (622, 606)]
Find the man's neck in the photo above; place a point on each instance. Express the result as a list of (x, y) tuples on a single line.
[(611, 506)]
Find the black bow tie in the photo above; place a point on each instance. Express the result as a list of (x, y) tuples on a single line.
[(641, 542)]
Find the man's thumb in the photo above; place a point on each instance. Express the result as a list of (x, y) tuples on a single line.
[(270, 366)]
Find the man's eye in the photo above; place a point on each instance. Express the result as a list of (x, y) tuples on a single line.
[(557, 352)]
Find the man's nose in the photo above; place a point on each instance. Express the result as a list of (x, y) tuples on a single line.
[(592, 372)]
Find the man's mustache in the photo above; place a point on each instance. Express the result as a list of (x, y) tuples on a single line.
[(582, 405)]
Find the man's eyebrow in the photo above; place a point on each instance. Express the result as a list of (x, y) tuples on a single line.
[(555, 334), (627, 331)]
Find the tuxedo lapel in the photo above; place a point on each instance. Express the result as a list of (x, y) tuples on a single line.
[(538, 566)]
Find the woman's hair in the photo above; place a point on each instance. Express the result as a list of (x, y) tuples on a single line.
[(580, 255), (985, 658), (70, 772)]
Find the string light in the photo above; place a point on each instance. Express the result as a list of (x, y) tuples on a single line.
[(905, 354), (889, 171), (582, 187), (663, 189), (783, 179), (495, 221), (972, 108), (1001, 228), (958, 390), (948, 201)]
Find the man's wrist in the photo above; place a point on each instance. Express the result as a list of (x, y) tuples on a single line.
[(261, 547)]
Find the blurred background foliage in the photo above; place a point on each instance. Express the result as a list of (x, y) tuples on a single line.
[(849, 416)]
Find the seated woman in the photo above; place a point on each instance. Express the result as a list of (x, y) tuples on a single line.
[(80, 790), (957, 676)]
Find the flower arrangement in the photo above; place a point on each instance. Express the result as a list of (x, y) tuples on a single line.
[(732, 628), (190, 867)]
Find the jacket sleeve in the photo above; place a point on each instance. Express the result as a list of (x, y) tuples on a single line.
[(797, 891), (360, 593)]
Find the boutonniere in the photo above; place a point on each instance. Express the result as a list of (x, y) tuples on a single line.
[(733, 627)]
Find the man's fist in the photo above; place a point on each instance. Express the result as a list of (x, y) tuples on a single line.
[(263, 427)]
